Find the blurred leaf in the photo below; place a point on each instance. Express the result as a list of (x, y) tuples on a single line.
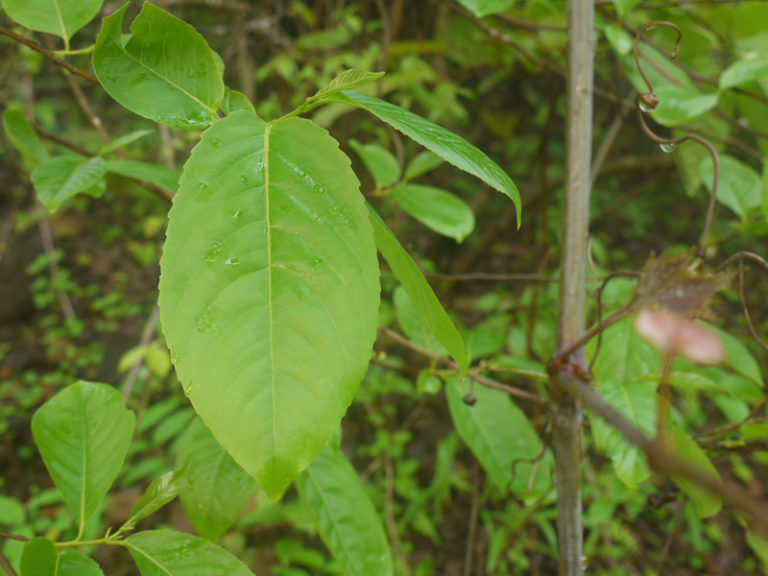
[(175, 83), (501, 437), (744, 71), (59, 17), (445, 144), (216, 489), (740, 186), (73, 563), (443, 212), (482, 8), (39, 558), (620, 41), (705, 503), (624, 7), (379, 161), (345, 516), (420, 292), (425, 161), (169, 553), (412, 324), (428, 383), (83, 434), (234, 101), (161, 491), (764, 190), (153, 173), (679, 104), (60, 178), (123, 141), (22, 135)]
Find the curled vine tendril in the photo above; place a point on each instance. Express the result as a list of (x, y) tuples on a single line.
[(648, 102)]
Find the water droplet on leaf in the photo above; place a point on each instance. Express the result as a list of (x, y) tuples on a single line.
[(213, 252), (232, 261), (236, 214), (668, 148)]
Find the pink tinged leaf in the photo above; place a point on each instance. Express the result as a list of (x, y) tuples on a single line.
[(675, 335)]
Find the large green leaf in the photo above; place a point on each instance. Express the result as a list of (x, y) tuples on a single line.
[(739, 186), (164, 71), (60, 17), (447, 145), (411, 278), (624, 359), (269, 290), (705, 503), (347, 519), (501, 437), (59, 179), (216, 488), (443, 212), (83, 434), (169, 553), (38, 558), (23, 136), (412, 324)]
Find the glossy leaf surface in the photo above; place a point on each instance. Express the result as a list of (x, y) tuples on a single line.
[(415, 284), (163, 71), (83, 434), (269, 290), (59, 17), (347, 519), (59, 179), (216, 488), (445, 144), (169, 553), (443, 212), (501, 437)]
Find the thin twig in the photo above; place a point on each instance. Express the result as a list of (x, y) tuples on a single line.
[(482, 380), (48, 54)]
